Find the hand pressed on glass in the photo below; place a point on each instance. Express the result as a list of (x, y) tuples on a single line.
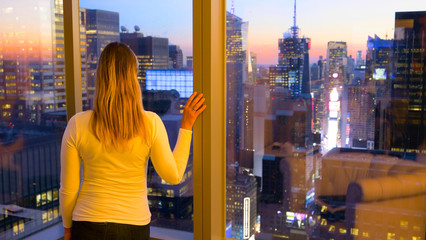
[(193, 108)]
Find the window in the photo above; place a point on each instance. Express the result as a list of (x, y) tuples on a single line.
[(325, 127), (160, 36), (32, 115)]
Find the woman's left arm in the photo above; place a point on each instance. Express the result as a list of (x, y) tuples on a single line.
[(70, 173)]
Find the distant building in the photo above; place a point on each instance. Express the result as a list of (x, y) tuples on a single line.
[(336, 76), (314, 72), (189, 62), (359, 76), (32, 76), (318, 105), (246, 157), (292, 71), (359, 116), (359, 61), (241, 205), (236, 75), (152, 52), (320, 68), (30, 182), (376, 83), (102, 28), (175, 57), (406, 116)]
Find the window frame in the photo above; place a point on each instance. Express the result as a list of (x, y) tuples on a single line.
[(209, 145)]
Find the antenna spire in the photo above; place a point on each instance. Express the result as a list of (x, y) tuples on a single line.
[(295, 28), (233, 8), (294, 16)]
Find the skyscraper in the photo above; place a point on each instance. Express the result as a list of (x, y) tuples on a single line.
[(175, 57), (236, 75), (152, 52), (407, 112), (241, 205), (336, 76), (32, 73), (292, 71), (102, 28), (32, 87), (359, 60), (189, 62)]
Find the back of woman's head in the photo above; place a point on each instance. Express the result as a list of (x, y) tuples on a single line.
[(118, 111)]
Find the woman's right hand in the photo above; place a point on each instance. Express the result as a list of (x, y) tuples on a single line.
[(193, 108)]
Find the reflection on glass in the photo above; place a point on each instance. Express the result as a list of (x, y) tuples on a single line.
[(32, 114), (321, 145), (165, 81)]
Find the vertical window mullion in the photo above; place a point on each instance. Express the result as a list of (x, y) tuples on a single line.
[(209, 133), (73, 89)]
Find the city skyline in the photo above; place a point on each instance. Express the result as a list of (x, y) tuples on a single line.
[(269, 20), (316, 20)]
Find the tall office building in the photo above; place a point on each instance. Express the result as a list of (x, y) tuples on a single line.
[(336, 76), (189, 62), (378, 65), (292, 71), (314, 72), (376, 87), (359, 114), (241, 205), (359, 61), (320, 68), (241, 188), (152, 52), (246, 157), (406, 116), (236, 75), (337, 61), (32, 68), (32, 88), (175, 57), (318, 105), (102, 28)]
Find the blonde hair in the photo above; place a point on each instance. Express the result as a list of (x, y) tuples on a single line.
[(118, 110)]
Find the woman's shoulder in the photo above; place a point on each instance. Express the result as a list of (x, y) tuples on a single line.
[(83, 116), (151, 116)]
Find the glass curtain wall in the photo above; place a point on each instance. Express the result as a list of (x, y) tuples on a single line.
[(32, 115), (326, 120), (160, 34)]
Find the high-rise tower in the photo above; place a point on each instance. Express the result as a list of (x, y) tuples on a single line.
[(292, 71), (406, 114), (152, 52), (236, 75), (102, 28)]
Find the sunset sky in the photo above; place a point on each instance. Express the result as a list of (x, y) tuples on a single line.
[(320, 20)]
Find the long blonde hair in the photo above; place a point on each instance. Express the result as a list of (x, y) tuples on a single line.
[(118, 110)]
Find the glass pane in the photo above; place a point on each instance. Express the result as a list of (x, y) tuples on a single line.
[(160, 35), (32, 115), (326, 122)]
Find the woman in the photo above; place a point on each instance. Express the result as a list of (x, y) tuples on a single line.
[(114, 141)]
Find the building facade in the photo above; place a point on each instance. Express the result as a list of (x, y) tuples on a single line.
[(102, 28)]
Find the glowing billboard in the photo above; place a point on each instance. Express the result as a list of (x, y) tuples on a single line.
[(379, 74), (246, 218)]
